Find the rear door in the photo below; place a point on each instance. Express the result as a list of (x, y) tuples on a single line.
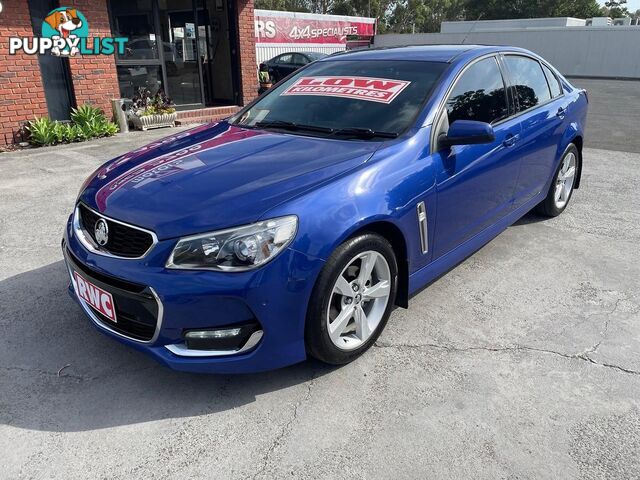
[(541, 108), (475, 183)]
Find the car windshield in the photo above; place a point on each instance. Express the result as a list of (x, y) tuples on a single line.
[(347, 96)]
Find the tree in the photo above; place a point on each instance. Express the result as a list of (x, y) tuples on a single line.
[(577, 9), (408, 16), (284, 5), (499, 9), (423, 15), (617, 8), (379, 9)]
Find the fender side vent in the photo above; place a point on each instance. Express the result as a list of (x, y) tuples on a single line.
[(422, 226)]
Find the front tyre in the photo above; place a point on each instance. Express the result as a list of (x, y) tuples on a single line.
[(561, 187), (352, 299)]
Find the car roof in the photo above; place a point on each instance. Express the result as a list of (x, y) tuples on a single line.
[(299, 53), (425, 53)]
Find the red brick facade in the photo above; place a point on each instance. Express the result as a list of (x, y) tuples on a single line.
[(94, 77), (247, 44), (21, 93)]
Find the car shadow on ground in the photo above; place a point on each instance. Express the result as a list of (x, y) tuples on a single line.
[(530, 218), (58, 373)]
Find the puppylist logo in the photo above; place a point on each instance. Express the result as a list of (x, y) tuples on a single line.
[(65, 32)]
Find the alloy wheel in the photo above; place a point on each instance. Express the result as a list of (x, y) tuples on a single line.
[(565, 180), (358, 300)]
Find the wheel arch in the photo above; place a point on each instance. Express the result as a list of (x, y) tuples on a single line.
[(578, 141), (392, 233)]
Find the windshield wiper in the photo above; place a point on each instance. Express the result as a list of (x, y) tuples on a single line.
[(363, 133), (292, 126)]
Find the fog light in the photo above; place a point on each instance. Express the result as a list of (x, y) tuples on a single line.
[(208, 334), (224, 339)]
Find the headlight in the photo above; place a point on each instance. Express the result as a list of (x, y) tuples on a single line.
[(235, 249)]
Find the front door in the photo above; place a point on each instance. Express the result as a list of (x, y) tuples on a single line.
[(475, 183)]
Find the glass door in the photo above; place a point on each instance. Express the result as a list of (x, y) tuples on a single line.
[(141, 65), (180, 52), (215, 44), (186, 48)]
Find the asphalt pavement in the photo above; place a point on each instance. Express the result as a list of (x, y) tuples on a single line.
[(522, 362), (614, 113)]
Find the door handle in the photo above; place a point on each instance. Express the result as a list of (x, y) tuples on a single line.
[(561, 112), (510, 140)]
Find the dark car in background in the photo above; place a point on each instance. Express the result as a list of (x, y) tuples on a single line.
[(287, 63)]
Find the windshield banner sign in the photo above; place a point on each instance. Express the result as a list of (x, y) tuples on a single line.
[(382, 90)]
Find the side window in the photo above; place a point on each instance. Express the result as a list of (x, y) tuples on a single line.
[(299, 59), (284, 58), (554, 84), (528, 80), (479, 94)]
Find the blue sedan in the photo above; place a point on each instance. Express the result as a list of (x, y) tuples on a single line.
[(295, 227)]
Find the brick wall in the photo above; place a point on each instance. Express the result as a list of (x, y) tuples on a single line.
[(95, 79), (21, 92), (246, 40)]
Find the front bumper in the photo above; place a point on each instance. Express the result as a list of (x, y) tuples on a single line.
[(275, 295)]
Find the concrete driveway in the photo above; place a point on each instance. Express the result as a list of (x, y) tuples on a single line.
[(522, 362)]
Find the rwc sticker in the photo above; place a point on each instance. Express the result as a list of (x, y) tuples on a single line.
[(381, 90), (97, 298)]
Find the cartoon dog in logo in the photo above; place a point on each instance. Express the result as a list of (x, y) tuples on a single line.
[(64, 22)]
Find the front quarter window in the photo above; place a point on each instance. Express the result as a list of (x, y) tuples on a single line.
[(380, 96)]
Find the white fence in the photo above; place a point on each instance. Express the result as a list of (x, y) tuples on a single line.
[(607, 52), (266, 51)]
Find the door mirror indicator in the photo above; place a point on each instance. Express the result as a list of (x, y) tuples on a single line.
[(467, 132)]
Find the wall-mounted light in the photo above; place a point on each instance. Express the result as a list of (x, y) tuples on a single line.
[(0, 7)]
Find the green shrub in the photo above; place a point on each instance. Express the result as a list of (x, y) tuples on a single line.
[(74, 133), (85, 132), (42, 131), (58, 131), (86, 114), (109, 129), (69, 133), (86, 122)]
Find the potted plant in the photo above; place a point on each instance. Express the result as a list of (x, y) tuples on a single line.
[(152, 111)]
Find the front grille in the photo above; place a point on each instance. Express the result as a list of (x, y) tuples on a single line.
[(137, 310), (124, 241)]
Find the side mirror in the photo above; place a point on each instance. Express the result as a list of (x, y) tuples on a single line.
[(467, 132)]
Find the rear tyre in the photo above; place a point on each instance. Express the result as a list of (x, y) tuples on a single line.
[(561, 187), (352, 299)]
